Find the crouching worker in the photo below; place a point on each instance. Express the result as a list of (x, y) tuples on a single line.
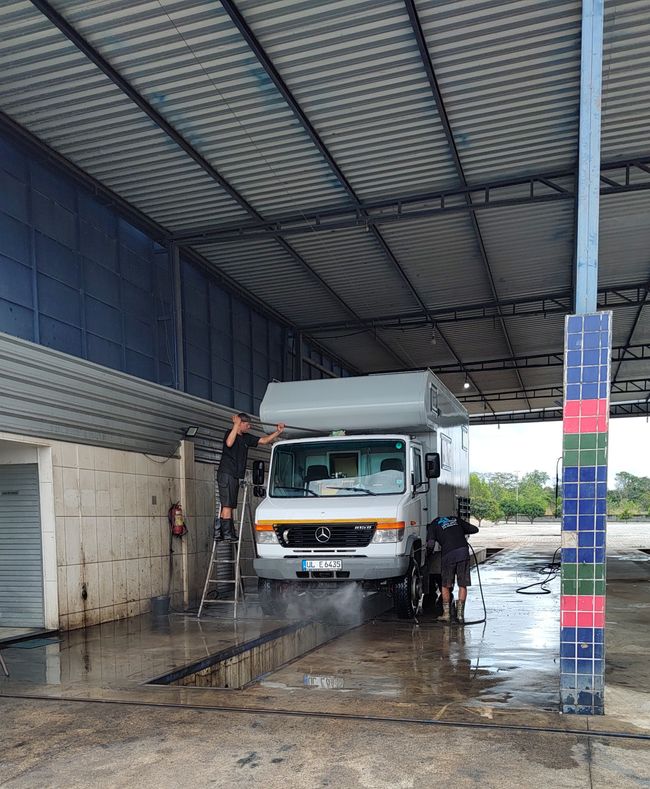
[(232, 468), (450, 534)]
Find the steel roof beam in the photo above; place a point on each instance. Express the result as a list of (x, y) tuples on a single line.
[(642, 302), (630, 386), (554, 304), (636, 408), (407, 208), (119, 81), (451, 142)]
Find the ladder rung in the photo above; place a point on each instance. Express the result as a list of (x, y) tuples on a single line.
[(220, 581), (224, 561)]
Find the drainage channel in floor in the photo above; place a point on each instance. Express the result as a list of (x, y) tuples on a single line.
[(242, 664)]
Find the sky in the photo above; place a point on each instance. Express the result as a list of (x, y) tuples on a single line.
[(537, 446)]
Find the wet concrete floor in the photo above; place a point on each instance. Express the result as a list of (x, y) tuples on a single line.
[(504, 671)]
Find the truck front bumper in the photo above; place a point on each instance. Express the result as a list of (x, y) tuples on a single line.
[(352, 569)]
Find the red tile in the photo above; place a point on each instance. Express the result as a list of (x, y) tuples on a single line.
[(571, 424)]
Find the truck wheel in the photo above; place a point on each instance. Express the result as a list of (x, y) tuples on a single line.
[(407, 592), (272, 600)]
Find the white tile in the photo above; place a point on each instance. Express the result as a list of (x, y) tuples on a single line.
[(69, 455), (57, 455), (144, 539), (132, 580), (57, 477), (86, 456), (117, 493), (73, 540), (117, 461), (102, 459), (144, 573), (130, 462), (46, 493), (71, 497), (73, 582), (90, 575), (133, 526), (105, 583), (60, 541), (141, 464), (130, 496), (118, 538), (104, 539), (119, 582), (89, 539), (143, 500), (62, 584)]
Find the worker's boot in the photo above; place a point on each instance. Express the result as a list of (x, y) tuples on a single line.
[(228, 530), (446, 613), (218, 531), (460, 612)]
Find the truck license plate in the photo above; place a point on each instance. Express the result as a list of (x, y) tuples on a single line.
[(321, 564)]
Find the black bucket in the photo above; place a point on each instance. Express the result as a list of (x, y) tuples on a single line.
[(160, 605)]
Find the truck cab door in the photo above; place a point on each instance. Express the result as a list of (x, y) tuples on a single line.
[(417, 508)]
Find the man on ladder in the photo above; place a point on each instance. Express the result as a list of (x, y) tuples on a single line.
[(232, 468)]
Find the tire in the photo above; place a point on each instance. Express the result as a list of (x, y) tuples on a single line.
[(271, 598), (407, 592)]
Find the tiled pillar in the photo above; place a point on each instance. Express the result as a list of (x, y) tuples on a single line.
[(584, 493)]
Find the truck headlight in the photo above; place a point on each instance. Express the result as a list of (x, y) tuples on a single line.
[(265, 536), (388, 535)]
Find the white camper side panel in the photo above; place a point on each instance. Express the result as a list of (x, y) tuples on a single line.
[(453, 445)]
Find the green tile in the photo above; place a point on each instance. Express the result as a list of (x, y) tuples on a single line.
[(586, 571), (588, 440), (569, 570), (586, 587), (570, 457), (571, 441), (570, 587), (599, 571), (602, 440), (601, 457), (599, 587), (588, 457)]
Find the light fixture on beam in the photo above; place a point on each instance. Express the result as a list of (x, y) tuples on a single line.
[(466, 384)]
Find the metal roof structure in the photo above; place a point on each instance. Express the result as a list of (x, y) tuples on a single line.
[(395, 178)]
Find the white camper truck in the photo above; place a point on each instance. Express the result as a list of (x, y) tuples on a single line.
[(348, 499)]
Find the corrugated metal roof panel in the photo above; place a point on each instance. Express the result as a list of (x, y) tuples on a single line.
[(264, 268), (530, 248), (354, 67), (441, 258), (353, 263), (37, 60), (533, 334), (191, 63), (624, 245), (362, 350), (509, 73)]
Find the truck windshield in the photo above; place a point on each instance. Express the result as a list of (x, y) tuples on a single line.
[(339, 468)]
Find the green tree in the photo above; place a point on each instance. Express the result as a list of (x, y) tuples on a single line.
[(509, 506), (532, 507), (483, 503)]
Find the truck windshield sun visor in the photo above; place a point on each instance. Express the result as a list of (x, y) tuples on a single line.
[(324, 468)]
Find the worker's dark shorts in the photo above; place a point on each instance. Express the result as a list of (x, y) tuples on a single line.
[(228, 490), (458, 570)]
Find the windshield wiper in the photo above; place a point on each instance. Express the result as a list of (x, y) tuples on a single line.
[(359, 490), (302, 490)]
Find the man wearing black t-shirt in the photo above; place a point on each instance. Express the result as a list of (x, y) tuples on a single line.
[(451, 536), (232, 468)]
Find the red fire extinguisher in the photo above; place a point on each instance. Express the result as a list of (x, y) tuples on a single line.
[(176, 520)]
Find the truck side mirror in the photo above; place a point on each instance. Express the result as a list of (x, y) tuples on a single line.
[(432, 465), (258, 472)]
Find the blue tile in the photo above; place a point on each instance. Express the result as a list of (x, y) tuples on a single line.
[(590, 340), (574, 323), (586, 506), (586, 555), (573, 375), (587, 490), (570, 474), (588, 473), (592, 322), (570, 491), (569, 522), (585, 635), (586, 539), (599, 667), (599, 555), (568, 634), (603, 373), (592, 356), (568, 650), (601, 506), (601, 473), (599, 650), (574, 359), (574, 342), (586, 522), (598, 635), (601, 490), (569, 555), (604, 355), (585, 667), (585, 650), (589, 392), (568, 681), (599, 539), (603, 390), (570, 506), (590, 374), (572, 392), (568, 665), (601, 522)]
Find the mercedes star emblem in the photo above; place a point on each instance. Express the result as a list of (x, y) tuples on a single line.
[(323, 534)]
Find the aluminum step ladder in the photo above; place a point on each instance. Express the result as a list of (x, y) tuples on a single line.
[(216, 562)]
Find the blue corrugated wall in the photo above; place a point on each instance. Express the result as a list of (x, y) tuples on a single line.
[(77, 277)]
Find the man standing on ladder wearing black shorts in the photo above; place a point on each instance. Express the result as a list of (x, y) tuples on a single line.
[(450, 534), (232, 468)]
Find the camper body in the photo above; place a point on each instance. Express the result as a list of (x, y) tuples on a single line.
[(351, 502)]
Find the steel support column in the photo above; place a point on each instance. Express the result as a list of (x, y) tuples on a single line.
[(587, 354)]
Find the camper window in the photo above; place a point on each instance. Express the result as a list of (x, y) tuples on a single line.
[(445, 446)]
